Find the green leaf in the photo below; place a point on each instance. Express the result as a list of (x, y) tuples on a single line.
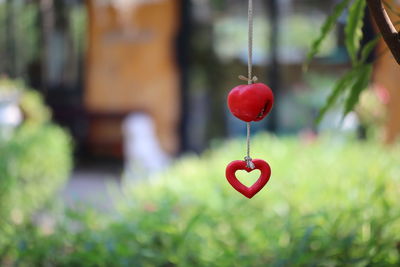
[(363, 76), (367, 49), (353, 29), (340, 86), (325, 30)]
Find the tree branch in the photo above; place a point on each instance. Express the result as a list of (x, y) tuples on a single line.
[(385, 26)]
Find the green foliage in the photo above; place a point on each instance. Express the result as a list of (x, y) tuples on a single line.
[(34, 162), (353, 29), (326, 28), (340, 86), (352, 83), (9, 88), (30, 102), (33, 107), (357, 78), (18, 22), (361, 82), (327, 204), (367, 49)]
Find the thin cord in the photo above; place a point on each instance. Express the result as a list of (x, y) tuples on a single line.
[(248, 140), (250, 78), (250, 50)]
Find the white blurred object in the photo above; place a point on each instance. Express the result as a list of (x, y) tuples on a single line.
[(143, 153), (10, 116), (350, 122)]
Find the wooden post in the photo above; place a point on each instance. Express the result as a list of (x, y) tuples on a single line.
[(386, 73)]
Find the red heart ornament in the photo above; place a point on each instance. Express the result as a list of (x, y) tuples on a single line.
[(250, 102), (248, 192)]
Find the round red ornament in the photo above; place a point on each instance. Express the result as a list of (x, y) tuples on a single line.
[(250, 102)]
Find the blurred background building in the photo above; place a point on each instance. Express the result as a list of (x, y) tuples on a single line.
[(99, 61)]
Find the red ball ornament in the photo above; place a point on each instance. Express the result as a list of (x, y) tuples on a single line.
[(250, 102), (248, 192)]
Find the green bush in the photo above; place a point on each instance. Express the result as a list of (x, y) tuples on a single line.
[(328, 203), (34, 161), (33, 165)]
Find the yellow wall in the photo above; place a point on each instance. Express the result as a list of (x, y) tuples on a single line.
[(131, 65)]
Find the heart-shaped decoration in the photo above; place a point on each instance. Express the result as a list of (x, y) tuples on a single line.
[(248, 192), (250, 102)]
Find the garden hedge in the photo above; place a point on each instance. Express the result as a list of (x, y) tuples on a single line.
[(34, 164), (329, 203)]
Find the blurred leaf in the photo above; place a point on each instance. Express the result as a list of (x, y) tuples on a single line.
[(353, 29), (339, 88), (368, 48), (325, 30), (363, 76)]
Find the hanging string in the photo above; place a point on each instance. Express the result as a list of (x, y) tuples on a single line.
[(250, 79), (250, 44)]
